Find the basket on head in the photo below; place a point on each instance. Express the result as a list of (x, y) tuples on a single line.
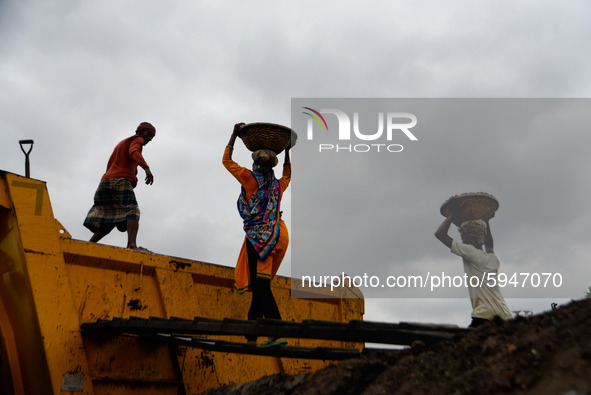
[(470, 206), (259, 135)]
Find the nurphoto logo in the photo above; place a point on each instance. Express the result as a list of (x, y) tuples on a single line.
[(390, 126)]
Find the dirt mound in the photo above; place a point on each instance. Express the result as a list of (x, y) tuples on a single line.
[(544, 354)]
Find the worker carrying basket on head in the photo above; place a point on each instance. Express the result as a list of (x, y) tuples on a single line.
[(266, 237)]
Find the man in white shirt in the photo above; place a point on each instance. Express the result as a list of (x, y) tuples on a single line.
[(487, 301)]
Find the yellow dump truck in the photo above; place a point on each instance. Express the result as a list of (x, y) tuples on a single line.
[(52, 285)]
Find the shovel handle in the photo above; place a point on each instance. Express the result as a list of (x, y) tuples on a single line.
[(21, 142), (27, 166)]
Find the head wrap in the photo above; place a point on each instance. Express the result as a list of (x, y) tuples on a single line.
[(475, 228), (265, 157), (145, 126)]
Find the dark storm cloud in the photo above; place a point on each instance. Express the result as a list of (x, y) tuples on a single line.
[(77, 77)]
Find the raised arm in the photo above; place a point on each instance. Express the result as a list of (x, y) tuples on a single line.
[(286, 176), (237, 128), (488, 241), (287, 154), (242, 174), (441, 232)]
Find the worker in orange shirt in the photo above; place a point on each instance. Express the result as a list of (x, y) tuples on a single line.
[(114, 199)]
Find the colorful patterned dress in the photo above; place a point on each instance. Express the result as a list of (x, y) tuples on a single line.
[(259, 206)]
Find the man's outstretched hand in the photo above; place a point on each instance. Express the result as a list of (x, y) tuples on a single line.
[(149, 176)]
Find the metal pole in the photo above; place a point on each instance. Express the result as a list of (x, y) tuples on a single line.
[(27, 166)]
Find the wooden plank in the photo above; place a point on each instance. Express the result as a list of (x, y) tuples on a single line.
[(282, 351), (355, 331)]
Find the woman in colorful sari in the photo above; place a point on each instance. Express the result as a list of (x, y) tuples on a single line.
[(266, 237)]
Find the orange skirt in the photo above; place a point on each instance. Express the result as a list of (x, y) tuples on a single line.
[(265, 269)]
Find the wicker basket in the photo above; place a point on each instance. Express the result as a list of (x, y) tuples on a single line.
[(471, 206), (271, 136)]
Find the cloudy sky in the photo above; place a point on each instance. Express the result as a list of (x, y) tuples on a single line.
[(77, 77)]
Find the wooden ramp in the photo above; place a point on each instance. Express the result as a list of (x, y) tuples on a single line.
[(191, 333)]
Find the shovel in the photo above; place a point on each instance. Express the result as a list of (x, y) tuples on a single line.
[(27, 166)]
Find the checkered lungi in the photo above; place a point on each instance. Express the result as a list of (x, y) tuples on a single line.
[(114, 205)]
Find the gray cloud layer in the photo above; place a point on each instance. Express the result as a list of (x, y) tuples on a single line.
[(77, 77)]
